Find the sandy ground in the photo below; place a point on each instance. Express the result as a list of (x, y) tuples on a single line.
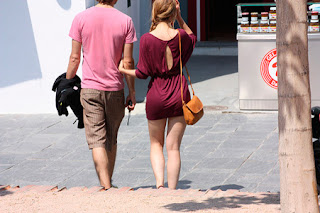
[(133, 201)]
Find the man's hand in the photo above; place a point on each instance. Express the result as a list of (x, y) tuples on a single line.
[(131, 97)]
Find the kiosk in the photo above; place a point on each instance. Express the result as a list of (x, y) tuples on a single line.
[(257, 66)]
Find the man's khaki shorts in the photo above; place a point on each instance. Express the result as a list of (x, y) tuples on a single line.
[(103, 112)]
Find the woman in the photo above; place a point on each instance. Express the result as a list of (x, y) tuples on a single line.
[(159, 59)]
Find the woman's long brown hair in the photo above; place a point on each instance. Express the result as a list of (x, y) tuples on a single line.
[(163, 11)]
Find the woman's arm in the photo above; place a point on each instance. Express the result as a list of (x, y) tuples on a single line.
[(74, 60), (180, 20)]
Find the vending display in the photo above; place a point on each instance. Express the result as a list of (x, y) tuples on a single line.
[(314, 22), (266, 22), (257, 55)]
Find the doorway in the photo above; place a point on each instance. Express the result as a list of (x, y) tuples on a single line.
[(220, 19)]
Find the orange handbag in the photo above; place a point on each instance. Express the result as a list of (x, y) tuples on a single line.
[(193, 110)]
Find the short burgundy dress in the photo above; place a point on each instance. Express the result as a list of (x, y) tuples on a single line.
[(164, 90)]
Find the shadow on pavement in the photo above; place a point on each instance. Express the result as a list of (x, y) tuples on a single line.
[(202, 68), (226, 187), (184, 184), (225, 202), (5, 192), (145, 187)]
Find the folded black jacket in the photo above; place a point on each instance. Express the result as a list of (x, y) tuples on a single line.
[(68, 94)]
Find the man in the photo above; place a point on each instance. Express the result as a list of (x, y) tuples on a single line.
[(104, 34)]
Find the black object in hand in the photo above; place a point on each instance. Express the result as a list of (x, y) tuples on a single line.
[(129, 104)]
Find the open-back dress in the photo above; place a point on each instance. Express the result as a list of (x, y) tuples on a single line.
[(164, 90)]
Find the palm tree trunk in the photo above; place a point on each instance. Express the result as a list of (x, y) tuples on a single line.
[(298, 189)]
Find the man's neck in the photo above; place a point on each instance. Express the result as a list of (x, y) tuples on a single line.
[(104, 5)]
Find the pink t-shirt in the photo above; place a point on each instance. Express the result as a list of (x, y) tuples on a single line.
[(103, 33)]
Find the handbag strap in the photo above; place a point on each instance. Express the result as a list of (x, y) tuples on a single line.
[(181, 69)]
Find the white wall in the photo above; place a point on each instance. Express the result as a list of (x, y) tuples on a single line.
[(35, 49)]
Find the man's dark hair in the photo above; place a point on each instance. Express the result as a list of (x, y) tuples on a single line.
[(105, 1)]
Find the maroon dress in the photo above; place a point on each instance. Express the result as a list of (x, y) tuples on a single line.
[(164, 90)]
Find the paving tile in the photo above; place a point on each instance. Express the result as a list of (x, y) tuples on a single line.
[(5, 167), (256, 167), (221, 163), (240, 143), (201, 148), (195, 130), (35, 143), (227, 153), (133, 178), (246, 178), (214, 137), (79, 154), (271, 178), (225, 127), (206, 179), (9, 158), (248, 135), (266, 154), (267, 188), (86, 178), (192, 156), (138, 163), (189, 139), (50, 153), (259, 127)]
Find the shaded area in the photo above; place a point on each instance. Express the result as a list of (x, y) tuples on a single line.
[(19, 60), (183, 184), (227, 187), (65, 4), (225, 202), (5, 192)]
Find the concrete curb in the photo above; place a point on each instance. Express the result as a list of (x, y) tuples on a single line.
[(194, 193)]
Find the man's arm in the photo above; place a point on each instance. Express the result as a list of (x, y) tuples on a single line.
[(128, 62), (74, 60)]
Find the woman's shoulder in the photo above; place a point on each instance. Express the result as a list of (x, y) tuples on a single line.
[(185, 34), (146, 38)]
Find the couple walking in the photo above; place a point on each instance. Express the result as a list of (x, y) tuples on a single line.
[(106, 37)]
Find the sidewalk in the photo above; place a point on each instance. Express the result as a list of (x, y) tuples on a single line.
[(227, 150), (223, 151)]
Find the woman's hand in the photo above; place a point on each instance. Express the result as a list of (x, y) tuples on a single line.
[(121, 66), (178, 8), (123, 70)]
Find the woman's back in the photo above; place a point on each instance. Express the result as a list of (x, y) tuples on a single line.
[(159, 57)]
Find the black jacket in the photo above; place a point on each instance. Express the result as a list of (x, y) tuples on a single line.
[(68, 94)]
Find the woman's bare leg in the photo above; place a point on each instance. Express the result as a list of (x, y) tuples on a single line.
[(156, 132), (176, 128)]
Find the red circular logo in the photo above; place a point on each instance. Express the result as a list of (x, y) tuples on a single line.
[(268, 69)]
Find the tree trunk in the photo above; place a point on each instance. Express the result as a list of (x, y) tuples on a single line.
[(298, 189)]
